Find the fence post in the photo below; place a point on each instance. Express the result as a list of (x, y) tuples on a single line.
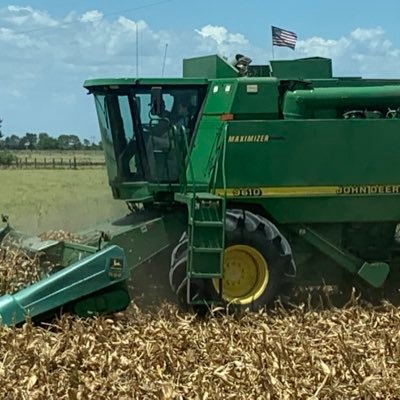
[(45, 163), (61, 162), (54, 163), (75, 162), (26, 162), (34, 161)]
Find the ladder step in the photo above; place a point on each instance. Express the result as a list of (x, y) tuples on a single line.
[(211, 224), (208, 196), (207, 249), (200, 275)]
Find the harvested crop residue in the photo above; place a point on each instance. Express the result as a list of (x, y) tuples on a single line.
[(340, 354), (17, 270), (60, 235), (353, 352)]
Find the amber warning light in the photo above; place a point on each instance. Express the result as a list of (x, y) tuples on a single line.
[(227, 117)]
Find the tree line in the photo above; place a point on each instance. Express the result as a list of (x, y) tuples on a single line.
[(43, 141)]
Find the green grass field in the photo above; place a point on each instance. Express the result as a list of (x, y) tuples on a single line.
[(41, 200)]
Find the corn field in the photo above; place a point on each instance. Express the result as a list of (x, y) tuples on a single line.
[(297, 353)]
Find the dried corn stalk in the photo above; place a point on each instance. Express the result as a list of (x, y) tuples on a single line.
[(60, 235), (332, 354), (18, 269)]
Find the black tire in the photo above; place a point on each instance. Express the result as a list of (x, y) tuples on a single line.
[(244, 228), (177, 272), (178, 279)]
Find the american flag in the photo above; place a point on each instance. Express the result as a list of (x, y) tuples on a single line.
[(284, 38)]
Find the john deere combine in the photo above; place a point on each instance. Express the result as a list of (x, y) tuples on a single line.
[(251, 177)]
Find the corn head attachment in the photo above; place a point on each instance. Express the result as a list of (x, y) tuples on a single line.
[(87, 278)]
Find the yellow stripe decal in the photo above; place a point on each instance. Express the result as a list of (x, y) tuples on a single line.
[(301, 191)]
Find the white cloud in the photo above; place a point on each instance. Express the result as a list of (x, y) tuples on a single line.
[(217, 39), (19, 40), (92, 16), (364, 51), (221, 35), (367, 34), (19, 16), (323, 47), (130, 25)]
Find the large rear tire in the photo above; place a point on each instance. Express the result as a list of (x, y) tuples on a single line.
[(178, 280), (177, 273), (256, 258)]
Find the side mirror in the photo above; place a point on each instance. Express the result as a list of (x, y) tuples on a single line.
[(157, 102)]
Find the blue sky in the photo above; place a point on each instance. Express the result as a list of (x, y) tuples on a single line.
[(48, 48)]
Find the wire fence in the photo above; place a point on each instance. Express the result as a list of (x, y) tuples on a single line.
[(52, 163)]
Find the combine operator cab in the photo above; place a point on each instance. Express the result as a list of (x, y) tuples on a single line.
[(146, 131)]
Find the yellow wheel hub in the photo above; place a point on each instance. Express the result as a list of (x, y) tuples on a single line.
[(245, 275)]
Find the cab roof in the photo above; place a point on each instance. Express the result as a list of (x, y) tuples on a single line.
[(91, 83)]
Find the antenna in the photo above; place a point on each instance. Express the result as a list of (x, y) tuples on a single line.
[(137, 51), (165, 59)]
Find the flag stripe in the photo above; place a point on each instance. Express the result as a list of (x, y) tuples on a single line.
[(284, 38)]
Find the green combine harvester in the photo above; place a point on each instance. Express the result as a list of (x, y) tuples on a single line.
[(250, 178)]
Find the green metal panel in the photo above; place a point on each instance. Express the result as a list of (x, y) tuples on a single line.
[(331, 209), (256, 98), (142, 240), (373, 273), (261, 95), (208, 67), (143, 234), (204, 149), (135, 191), (316, 171), (304, 68), (220, 96), (309, 261), (106, 301)]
